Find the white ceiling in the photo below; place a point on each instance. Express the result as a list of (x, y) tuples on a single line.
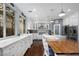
[(43, 10)]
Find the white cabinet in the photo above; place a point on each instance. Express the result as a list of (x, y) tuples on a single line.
[(39, 36), (36, 36), (16, 48)]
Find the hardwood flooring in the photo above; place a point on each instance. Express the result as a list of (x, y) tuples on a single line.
[(36, 49)]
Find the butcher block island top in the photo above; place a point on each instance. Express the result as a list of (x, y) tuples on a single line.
[(64, 46)]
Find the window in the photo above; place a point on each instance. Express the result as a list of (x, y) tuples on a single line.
[(1, 20), (10, 26), (22, 24)]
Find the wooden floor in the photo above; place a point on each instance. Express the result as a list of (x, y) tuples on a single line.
[(36, 49)]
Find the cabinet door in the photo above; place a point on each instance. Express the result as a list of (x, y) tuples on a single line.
[(1, 20)]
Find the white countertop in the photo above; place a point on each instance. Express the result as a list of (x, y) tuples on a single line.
[(6, 42), (57, 37)]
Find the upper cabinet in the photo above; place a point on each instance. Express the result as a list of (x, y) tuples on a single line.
[(10, 21), (1, 20), (22, 24)]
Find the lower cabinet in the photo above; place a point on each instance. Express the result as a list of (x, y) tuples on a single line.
[(36, 36), (17, 48)]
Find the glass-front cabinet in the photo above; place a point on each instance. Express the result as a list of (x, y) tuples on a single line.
[(10, 25), (22, 24), (1, 20), (9, 20)]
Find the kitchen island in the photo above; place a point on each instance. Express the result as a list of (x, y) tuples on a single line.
[(15, 46), (46, 38), (64, 47)]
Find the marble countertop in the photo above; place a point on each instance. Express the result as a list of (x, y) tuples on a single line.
[(6, 42), (55, 37)]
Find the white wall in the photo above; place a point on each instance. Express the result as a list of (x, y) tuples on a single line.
[(72, 19)]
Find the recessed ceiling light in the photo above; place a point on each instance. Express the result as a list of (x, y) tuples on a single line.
[(69, 10), (34, 9)]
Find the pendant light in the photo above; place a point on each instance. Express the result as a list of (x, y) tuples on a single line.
[(62, 13)]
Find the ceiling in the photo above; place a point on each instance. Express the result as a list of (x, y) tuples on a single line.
[(47, 10)]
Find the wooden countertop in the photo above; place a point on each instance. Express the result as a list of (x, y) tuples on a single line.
[(64, 46)]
